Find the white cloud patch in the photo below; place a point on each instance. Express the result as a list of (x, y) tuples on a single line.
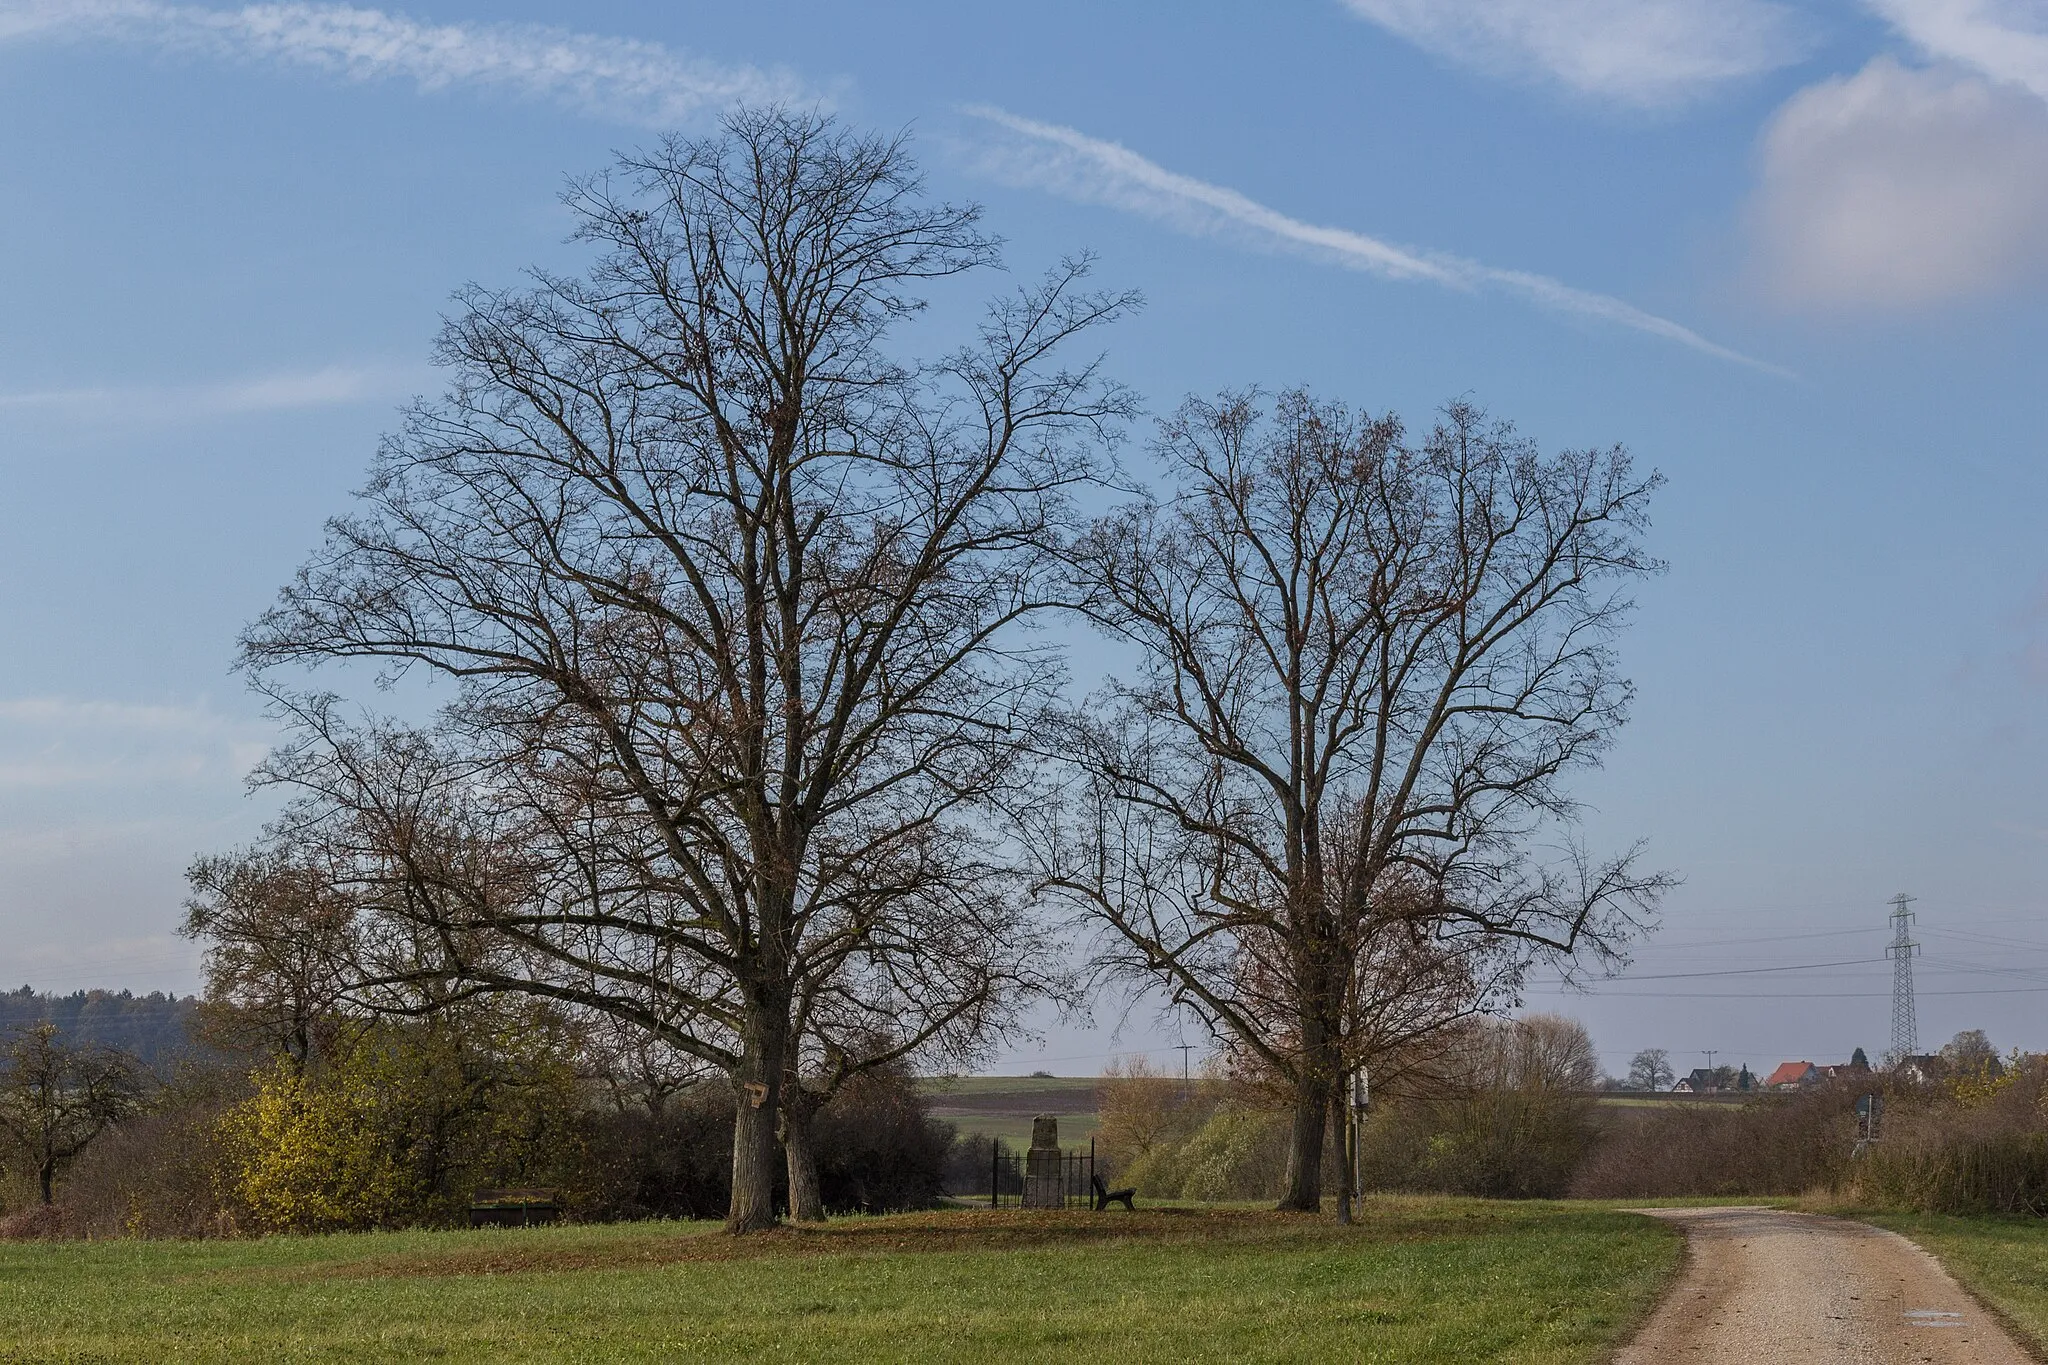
[(2006, 40), (54, 742), (1069, 163), (620, 79), (1898, 187), (327, 386), (1639, 52)]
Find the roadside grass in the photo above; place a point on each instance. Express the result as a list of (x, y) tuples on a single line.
[(2001, 1260), (1417, 1279)]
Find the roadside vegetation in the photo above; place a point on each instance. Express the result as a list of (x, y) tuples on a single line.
[(1423, 1280)]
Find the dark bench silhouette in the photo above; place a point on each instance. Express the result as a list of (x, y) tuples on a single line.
[(1105, 1196), (514, 1208)]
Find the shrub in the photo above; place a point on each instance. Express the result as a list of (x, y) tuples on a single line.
[(1774, 1144), (1999, 1173), (1240, 1153), (1138, 1109), (1509, 1119), (1974, 1142), (401, 1126), (160, 1175), (879, 1149), (307, 1157), (671, 1160)]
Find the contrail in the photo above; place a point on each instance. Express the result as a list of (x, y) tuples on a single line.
[(1067, 162)]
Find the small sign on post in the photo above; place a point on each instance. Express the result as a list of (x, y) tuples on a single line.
[(1869, 1121)]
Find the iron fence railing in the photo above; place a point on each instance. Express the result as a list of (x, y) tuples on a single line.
[(1002, 1184)]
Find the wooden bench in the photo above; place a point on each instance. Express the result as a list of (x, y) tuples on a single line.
[(1105, 1196), (514, 1208)]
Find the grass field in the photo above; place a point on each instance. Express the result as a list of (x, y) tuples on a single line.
[(1432, 1280), (2003, 1261)]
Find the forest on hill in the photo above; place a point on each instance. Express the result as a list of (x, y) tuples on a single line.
[(150, 1027)]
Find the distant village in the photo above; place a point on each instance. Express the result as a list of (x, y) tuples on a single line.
[(1805, 1075)]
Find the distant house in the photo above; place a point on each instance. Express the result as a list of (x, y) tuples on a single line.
[(1700, 1081), (1793, 1076), (1715, 1081)]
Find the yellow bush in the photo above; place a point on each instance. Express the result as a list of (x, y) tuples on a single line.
[(306, 1158), (1978, 1085)]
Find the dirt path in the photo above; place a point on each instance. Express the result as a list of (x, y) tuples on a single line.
[(1762, 1286)]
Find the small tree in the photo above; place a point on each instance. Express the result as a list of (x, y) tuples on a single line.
[(56, 1100), (279, 950), (1650, 1069), (1970, 1052)]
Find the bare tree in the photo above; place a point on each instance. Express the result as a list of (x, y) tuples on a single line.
[(735, 608), (1650, 1069), (1366, 668), (279, 960), (56, 1100)]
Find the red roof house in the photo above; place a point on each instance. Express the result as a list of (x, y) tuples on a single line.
[(1792, 1076)]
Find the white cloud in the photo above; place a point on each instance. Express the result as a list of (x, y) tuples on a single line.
[(1898, 187), (2006, 40), (613, 78), (1069, 163), (328, 386), (49, 742), (1639, 52)]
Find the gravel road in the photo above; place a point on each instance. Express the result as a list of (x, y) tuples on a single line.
[(1762, 1286)]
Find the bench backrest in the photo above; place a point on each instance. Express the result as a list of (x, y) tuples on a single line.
[(516, 1197)]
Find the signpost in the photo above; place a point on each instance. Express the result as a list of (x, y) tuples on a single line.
[(1869, 1119)]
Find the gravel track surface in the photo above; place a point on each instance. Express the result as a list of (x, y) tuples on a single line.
[(1762, 1286)]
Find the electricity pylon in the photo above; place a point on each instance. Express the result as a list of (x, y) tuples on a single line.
[(1905, 1028)]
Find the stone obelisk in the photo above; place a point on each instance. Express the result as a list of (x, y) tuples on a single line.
[(1044, 1187)]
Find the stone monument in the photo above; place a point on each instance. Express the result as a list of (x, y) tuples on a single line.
[(1044, 1167)]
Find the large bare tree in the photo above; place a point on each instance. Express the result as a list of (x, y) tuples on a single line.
[(736, 611), (1314, 813)]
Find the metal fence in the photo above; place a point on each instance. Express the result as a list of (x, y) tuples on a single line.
[(1002, 1184)]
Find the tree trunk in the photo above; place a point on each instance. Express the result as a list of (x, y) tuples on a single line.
[(806, 1205), (46, 1173), (755, 1141), (1312, 1092), (1319, 1000)]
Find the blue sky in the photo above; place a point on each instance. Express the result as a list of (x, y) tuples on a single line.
[(1790, 253)]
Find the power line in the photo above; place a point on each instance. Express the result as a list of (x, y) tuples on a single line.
[(1751, 971), (1799, 995)]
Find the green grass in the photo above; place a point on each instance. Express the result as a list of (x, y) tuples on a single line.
[(2003, 1261), (1417, 1280)]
